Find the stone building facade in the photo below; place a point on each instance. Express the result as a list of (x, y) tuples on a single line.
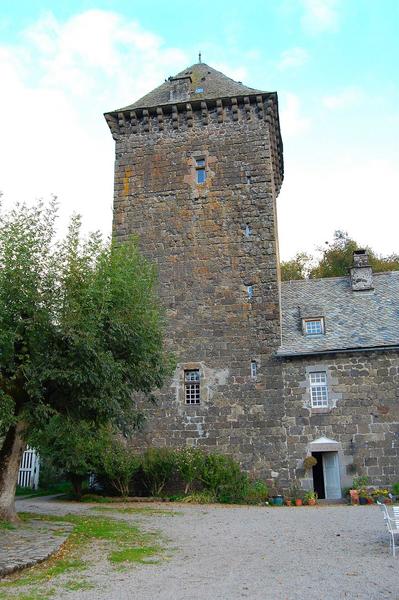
[(198, 169)]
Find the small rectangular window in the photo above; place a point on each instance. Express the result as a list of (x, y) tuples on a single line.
[(192, 386), (250, 292), (200, 170), (199, 90), (318, 389), (313, 326), (254, 369)]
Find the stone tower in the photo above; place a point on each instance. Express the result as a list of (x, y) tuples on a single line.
[(198, 168)]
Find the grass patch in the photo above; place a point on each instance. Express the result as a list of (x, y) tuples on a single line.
[(143, 510), (138, 555), (78, 585), (54, 488), (7, 526), (122, 537)]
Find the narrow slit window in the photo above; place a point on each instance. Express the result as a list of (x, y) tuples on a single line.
[(250, 292), (192, 385), (248, 230), (318, 389), (254, 369), (200, 170)]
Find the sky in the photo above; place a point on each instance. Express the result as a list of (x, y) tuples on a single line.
[(334, 64)]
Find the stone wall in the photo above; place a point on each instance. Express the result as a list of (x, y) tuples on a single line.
[(363, 415), (211, 242)]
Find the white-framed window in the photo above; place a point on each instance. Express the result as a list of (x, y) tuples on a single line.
[(318, 389), (254, 369), (192, 386), (200, 170), (313, 326)]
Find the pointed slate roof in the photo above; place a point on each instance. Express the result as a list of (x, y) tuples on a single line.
[(199, 76), (353, 320)]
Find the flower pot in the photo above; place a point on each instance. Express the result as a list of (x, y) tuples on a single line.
[(312, 501), (370, 501), (278, 500), (363, 501), (298, 502), (288, 503)]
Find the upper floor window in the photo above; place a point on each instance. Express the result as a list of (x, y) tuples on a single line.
[(318, 389), (313, 326), (254, 369), (200, 170), (192, 386)]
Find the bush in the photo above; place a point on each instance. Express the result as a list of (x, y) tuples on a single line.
[(257, 492), (119, 464), (158, 466), (222, 476), (361, 482), (190, 464), (395, 488)]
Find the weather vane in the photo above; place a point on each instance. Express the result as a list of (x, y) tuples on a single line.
[(199, 57)]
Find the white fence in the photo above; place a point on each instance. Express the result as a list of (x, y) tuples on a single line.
[(29, 467)]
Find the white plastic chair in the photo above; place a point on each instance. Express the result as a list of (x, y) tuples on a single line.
[(392, 524)]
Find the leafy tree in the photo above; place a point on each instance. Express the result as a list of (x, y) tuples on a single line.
[(80, 331), (119, 463), (72, 447), (190, 463), (296, 268), (335, 260)]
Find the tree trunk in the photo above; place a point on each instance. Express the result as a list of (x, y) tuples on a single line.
[(10, 457), (77, 483)]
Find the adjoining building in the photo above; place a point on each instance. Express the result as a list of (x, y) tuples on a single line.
[(268, 372)]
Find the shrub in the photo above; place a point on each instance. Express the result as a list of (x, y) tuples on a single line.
[(190, 464), (257, 492), (200, 498), (119, 464), (158, 466), (361, 482), (222, 476), (395, 488)]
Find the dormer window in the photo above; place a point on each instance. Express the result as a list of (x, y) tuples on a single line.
[(313, 326)]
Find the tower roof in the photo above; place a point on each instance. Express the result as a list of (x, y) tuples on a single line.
[(198, 82)]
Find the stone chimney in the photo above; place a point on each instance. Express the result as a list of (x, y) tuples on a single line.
[(361, 272)]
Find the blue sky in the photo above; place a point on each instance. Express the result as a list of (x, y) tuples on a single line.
[(334, 64)]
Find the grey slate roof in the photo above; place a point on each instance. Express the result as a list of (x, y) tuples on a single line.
[(368, 319), (215, 85)]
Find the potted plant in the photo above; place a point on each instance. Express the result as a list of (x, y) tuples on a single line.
[(296, 495), (363, 496), (288, 502), (309, 462), (278, 500), (311, 498)]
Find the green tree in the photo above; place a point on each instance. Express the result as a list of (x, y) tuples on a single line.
[(72, 447), (80, 331), (335, 260), (296, 268)]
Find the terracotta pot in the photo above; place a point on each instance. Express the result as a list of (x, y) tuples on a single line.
[(288, 503), (298, 502), (312, 501)]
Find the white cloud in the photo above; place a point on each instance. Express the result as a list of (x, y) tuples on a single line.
[(293, 122), (294, 57), (353, 192), (346, 98), (319, 15), (55, 86)]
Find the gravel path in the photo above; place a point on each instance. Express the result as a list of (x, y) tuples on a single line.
[(259, 553)]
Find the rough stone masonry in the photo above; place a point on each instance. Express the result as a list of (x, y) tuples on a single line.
[(198, 169)]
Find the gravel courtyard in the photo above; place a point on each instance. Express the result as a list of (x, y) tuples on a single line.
[(259, 553)]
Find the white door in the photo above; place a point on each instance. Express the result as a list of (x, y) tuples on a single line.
[(332, 481)]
